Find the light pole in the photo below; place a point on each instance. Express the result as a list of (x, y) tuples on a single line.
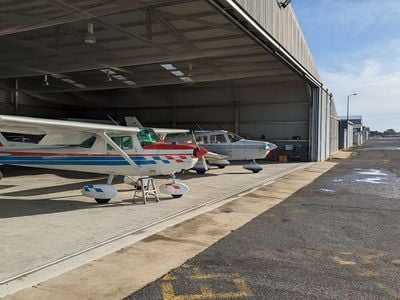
[(347, 119)]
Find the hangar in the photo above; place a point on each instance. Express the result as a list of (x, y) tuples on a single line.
[(241, 65)]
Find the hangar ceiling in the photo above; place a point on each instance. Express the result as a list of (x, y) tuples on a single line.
[(139, 43)]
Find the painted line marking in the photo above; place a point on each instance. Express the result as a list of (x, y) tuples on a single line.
[(206, 291)]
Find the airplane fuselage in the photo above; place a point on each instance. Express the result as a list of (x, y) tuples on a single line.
[(165, 160), (233, 146)]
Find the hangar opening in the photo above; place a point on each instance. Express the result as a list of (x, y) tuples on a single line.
[(243, 66)]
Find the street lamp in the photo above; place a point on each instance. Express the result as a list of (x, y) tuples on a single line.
[(347, 124)]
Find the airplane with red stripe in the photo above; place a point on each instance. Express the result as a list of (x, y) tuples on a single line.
[(95, 148)]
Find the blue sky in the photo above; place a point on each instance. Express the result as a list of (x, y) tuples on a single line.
[(356, 45)]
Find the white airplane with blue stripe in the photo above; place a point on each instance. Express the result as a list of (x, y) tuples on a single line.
[(96, 148)]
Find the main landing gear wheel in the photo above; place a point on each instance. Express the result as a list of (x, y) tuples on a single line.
[(102, 201), (201, 171), (221, 166), (173, 188), (254, 167)]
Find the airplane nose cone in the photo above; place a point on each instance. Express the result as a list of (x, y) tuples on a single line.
[(199, 152), (270, 146)]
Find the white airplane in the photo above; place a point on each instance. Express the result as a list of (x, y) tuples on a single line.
[(97, 148), (224, 146)]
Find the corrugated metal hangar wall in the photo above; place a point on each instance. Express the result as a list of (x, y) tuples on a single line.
[(253, 72), (276, 111)]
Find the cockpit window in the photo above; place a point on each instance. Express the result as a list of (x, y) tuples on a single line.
[(201, 139), (234, 137), (88, 143), (124, 142), (22, 138), (147, 136), (218, 139)]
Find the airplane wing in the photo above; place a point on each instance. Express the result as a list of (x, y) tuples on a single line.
[(59, 132), (170, 130), (217, 159)]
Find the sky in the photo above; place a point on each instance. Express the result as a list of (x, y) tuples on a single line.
[(356, 46)]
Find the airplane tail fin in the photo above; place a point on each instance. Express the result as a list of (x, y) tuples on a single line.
[(133, 121)]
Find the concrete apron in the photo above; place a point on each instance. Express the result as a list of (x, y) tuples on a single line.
[(156, 252)]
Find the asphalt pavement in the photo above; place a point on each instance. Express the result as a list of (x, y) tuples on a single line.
[(338, 238)]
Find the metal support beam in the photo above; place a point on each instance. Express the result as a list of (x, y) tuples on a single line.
[(131, 35), (192, 19), (137, 60), (125, 6), (237, 117), (174, 31), (209, 77), (189, 45), (314, 124), (16, 96)]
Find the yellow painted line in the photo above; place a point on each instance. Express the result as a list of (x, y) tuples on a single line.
[(167, 290), (369, 259), (343, 262), (169, 277), (203, 279), (242, 287)]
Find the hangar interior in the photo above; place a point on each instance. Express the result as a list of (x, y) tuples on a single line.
[(242, 66)]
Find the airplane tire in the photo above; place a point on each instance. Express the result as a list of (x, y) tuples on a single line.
[(201, 172), (221, 166), (1, 175), (256, 171), (102, 201), (176, 196)]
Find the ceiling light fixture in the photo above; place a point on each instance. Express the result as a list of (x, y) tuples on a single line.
[(90, 38), (107, 71), (178, 73), (68, 80), (80, 85), (186, 79), (119, 77), (168, 67), (129, 82), (45, 81)]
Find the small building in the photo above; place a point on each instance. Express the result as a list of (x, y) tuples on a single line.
[(359, 133), (346, 130)]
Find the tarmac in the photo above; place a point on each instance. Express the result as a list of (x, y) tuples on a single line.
[(338, 238), (119, 274), (329, 230), (48, 228)]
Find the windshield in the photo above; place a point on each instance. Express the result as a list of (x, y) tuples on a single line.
[(234, 137), (147, 136)]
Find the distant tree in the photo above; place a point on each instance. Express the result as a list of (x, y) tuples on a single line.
[(389, 132), (376, 133)]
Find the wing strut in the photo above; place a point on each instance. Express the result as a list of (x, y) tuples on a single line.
[(117, 148)]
